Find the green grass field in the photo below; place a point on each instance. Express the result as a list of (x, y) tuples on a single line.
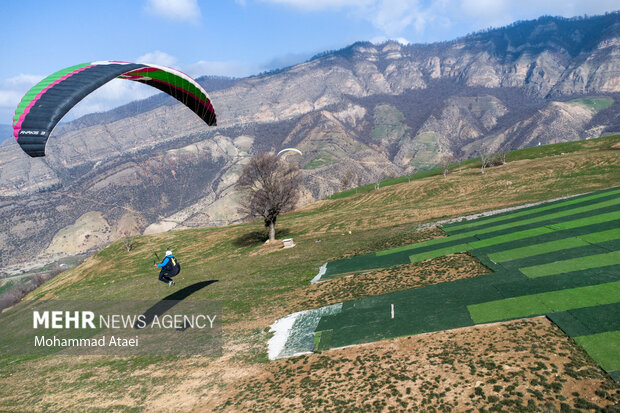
[(547, 259), (595, 103)]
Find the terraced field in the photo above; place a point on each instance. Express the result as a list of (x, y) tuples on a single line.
[(560, 259)]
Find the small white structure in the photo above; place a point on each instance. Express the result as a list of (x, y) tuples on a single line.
[(288, 243)]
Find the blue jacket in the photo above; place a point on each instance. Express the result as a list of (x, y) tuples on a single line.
[(165, 261)]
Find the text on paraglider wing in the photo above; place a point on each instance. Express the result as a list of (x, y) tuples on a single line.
[(31, 132)]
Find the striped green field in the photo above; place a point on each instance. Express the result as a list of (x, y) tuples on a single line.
[(549, 302), (560, 259)]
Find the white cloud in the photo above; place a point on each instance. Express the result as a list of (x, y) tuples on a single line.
[(23, 79), (178, 10), (9, 98), (11, 92), (394, 18), (158, 58)]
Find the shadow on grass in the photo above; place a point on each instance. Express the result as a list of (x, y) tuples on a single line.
[(170, 301), (258, 237)]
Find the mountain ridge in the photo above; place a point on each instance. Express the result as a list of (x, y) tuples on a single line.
[(370, 111)]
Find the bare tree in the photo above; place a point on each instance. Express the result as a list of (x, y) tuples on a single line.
[(445, 161), (346, 179), (129, 241), (485, 160), (269, 187), (501, 157)]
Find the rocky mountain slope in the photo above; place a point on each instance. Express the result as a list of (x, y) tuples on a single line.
[(364, 112)]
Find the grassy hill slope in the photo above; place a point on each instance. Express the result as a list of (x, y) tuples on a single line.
[(260, 283)]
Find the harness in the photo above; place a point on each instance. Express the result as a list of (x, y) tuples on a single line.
[(172, 266)]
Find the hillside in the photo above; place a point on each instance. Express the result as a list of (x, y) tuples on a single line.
[(516, 364), (367, 112)]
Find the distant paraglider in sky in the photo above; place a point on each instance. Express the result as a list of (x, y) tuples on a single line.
[(49, 100), (288, 150)]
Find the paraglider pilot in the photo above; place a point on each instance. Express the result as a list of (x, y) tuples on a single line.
[(169, 268)]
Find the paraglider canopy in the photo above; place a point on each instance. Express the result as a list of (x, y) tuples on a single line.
[(49, 100), (289, 149)]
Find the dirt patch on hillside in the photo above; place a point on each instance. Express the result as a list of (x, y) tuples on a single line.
[(525, 365), (89, 231), (268, 247)]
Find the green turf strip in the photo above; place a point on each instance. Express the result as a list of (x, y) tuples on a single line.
[(474, 223), (508, 308), (529, 305), (557, 245), (589, 320), (604, 348), (595, 219), (551, 236), (363, 262), (575, 264), (548, 217), (598, 237), (395, 256), (564, 225), (479, 244), (537, 249), (444, 306), (532, 232), (487, 242), (558, 256), (422, 244), (514, 236), (515, 284)]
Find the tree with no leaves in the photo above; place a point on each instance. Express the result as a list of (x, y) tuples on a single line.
[(445, 161), (501, 157), (347, 179), (269, 186), (486, 160)]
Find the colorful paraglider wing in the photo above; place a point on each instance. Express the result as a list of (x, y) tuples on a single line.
[(48, 101), (176, 84), (289, 149)]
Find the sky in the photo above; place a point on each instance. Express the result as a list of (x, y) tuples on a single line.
[(233, 38)]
